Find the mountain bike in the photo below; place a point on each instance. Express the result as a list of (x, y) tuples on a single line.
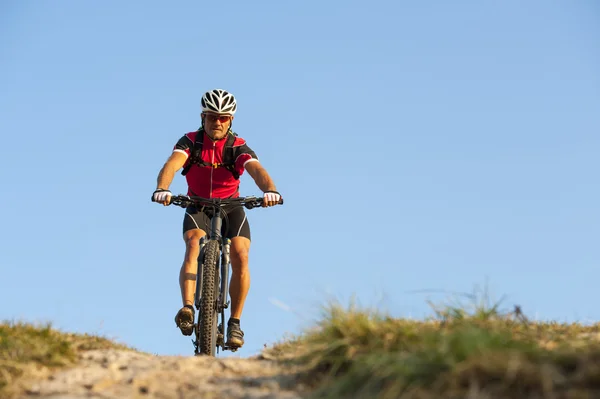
[(212, 278)]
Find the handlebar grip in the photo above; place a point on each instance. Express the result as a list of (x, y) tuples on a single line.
[(258, 203), (171, 199)]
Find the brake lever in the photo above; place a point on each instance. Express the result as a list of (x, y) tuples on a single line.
[(254, 203), (181, 201)]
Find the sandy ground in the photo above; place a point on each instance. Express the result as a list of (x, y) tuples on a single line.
[(123, 374)]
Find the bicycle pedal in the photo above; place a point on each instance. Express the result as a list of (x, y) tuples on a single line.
[(187, 326), (220, 336)]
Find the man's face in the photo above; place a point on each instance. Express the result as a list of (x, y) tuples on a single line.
[(216, 125)]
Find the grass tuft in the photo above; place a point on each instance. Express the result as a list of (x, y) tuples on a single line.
[(462, 350), (27, 348)]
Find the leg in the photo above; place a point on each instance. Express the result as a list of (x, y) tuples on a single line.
[(240, 275), (189, 268), (239, 232), (193, 231)]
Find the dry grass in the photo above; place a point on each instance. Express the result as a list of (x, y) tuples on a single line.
[(27, 350), (458, 353)]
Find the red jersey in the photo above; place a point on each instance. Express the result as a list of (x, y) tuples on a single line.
[(208, 182)]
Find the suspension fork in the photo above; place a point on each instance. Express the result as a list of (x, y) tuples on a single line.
[(199, 275), (225, 246), (225, 262)]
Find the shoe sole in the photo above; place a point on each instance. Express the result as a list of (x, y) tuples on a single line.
[(186, 323), (235, 343)]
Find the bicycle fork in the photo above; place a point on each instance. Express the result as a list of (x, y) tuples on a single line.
[(222, 302), (199, 273), (225, 261)]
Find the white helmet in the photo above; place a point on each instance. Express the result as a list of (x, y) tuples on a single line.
[(219, 101)]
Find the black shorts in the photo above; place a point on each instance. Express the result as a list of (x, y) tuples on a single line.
[(234, 224)]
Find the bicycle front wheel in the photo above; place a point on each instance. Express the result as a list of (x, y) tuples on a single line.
[(207, 322)]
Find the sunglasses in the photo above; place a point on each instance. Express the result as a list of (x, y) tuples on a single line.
[(214, 118)]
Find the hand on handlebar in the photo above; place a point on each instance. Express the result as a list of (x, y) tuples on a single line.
[(271, 198), (162, 196)]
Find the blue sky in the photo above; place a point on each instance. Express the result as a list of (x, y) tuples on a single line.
[(418, 145)]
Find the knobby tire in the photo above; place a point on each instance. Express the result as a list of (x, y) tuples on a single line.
[(208, 309)]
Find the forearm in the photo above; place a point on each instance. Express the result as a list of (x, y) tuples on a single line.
[(264, 181), (165, 177)]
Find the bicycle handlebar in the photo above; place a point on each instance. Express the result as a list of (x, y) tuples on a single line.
[(187, 200)]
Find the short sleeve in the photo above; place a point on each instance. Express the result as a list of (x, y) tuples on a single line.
[(244, 155), (184, 144)]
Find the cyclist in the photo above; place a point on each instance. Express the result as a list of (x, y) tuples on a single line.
[(208, 176)]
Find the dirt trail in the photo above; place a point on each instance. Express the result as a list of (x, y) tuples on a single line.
[(124, 374)]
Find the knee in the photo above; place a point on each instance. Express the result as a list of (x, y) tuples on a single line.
[(192, 240), (239, 257), (192, 244)]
